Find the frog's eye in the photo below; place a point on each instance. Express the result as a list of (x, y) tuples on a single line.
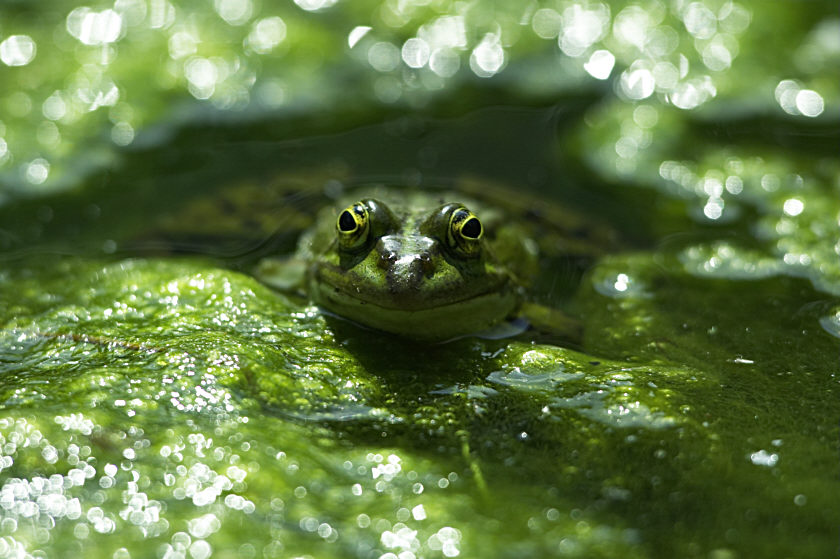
[(359, 225), (353, 226), (465, 232)]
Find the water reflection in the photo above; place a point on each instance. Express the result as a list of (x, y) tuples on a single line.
[(581, 27), (17, 50), (240, 56), (234, 12), (94, 28), (266, 35), (488, 57), (795, 100)]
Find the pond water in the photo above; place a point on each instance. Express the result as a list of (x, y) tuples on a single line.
[(156, 400)]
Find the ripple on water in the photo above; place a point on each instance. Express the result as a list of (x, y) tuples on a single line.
[(725, 260), (617, 283), (831, 323), (598, 390), (537, 370), (614, 409), (527, 381)]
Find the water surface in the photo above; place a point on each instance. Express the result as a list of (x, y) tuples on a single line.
[(158, 401)]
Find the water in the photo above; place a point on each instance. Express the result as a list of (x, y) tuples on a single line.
[(157, 401)]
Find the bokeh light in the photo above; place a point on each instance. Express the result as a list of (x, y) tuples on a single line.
[(136, 57), (17, 50)]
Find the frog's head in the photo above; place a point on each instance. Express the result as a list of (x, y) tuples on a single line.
[(422, 274)]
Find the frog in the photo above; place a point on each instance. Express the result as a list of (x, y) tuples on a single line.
[(431, 262), (428, 265)]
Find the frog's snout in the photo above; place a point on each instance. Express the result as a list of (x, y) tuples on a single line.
[(407, 260), (409, 265)]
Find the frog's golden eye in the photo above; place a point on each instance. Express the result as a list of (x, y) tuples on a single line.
[(353, 226), (465, 232), (360, 224)]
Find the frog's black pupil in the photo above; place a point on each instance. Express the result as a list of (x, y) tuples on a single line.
[(471, 229), (346, 223)]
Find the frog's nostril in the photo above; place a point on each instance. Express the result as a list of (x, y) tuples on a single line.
[(387, 259), (427, 264)]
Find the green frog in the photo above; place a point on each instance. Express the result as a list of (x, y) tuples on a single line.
[(423, 264)]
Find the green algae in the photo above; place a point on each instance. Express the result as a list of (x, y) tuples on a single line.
[(170, 406), (217, 461), (162, 406)]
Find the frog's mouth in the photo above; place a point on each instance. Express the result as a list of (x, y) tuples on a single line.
[(410, 293), (428, 318)]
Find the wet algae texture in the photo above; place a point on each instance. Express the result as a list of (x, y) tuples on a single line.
[(158, 406), (156, 400)]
